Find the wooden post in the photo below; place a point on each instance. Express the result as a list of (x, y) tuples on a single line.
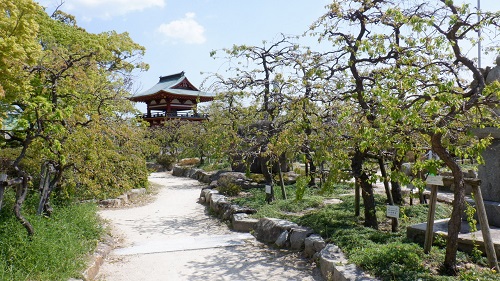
[(3, 179), (485, 228), (356, 197), (282, 184), (429, 230)]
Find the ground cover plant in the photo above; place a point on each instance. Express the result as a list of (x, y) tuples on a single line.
[(59, 248), (385, 254)]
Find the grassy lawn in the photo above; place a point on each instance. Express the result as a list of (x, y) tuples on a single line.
[(59, 248), (387, 255)]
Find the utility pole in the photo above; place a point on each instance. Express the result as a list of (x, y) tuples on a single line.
[(479, 34)]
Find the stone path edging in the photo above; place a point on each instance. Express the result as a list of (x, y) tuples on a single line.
[(104, 247), (285, 234)]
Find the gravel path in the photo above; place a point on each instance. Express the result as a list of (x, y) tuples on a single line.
[(172, 238)]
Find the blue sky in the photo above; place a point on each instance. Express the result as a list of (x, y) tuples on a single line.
[(180, 34)]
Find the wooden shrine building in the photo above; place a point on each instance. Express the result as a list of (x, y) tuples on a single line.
[(173, 97)]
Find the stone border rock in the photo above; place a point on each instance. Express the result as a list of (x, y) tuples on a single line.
[(104, 247), (97, 259), (122, 200), (102, 251), (284, 234)]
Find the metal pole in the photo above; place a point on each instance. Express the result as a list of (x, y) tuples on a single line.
[(479, 34)]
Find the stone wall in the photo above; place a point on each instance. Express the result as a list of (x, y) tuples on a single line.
[(284, 234)]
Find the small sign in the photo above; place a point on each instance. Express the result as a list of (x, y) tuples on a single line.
[(392, 211), (268, 189), (434, 180)]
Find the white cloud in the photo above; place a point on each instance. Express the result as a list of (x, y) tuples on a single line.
[(186, 29), (105, 8)]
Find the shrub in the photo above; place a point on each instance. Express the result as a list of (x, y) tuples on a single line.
[(166, 161), (57, 251), (227, 187), (301, 186), (394, 261)]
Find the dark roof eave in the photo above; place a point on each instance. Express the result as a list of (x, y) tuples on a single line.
[(163, 94)]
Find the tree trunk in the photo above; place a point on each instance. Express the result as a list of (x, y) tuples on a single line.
[(282, 184), (46, 188), (306, 166), (43, 187), (2, 191), (356, 197), (450, 261), (421, 196), (21, 192), (3, 178), (383, 172), (310, 167), (312, 171), (268, 177), (395, 221), (202, 159), (366, 189), (397, 195)]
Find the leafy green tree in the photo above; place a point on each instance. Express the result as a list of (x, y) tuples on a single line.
[(18, 46), (77, 100), (455, 105), (261, 82), (407, 67)]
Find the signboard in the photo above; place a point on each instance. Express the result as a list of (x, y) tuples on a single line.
[(392, 211), (434, 180), (268, 189)]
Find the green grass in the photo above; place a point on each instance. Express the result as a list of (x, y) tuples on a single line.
[(388, 255), (279, 208), (58, 249)]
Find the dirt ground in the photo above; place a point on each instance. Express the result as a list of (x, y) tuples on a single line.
[(173, 238)]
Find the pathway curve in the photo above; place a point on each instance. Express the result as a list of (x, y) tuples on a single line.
[(173, 238)]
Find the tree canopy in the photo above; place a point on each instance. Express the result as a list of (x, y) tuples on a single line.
[(393, 79), (71, 127)]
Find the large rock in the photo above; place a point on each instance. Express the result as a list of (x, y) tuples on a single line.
[(204, 192), (205, 177), (297, 237), (190, 173), (242, 223), (110, 203), (334, 266), (135, 193), (209, 194), (313, 244), (232, 177), (236, 209), (269, 229), (283, 239), (123, 198), (179, 171), (216, 201), (216, 175)]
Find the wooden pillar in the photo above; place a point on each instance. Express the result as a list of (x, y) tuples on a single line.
[(169, 106), (429, 230), (485, 228)]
